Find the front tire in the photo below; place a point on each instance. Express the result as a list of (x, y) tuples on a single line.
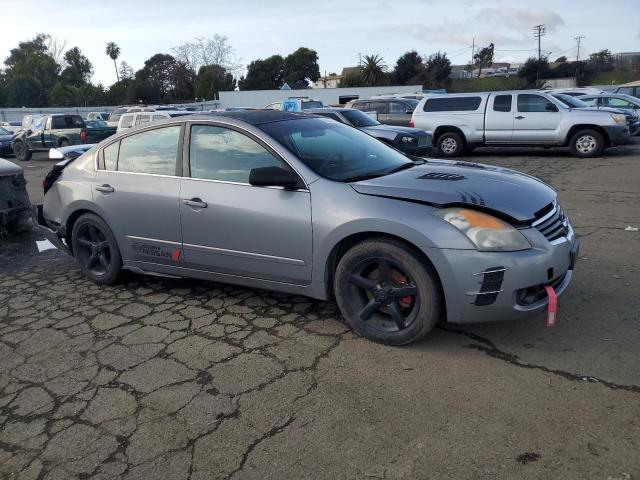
[(450, 144), (587, 143), (21, 151), (387, 293), (96, 250)]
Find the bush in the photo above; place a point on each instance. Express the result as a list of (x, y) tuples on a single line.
[(486, 84)]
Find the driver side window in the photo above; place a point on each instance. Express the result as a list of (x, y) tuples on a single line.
[(218, 153)]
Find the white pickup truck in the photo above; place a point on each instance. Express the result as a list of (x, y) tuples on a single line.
[(461, 122)]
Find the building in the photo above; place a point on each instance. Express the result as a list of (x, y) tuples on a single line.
[(328, 81)]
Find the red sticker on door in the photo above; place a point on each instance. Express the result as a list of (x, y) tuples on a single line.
[(552, 307), (175, 255)]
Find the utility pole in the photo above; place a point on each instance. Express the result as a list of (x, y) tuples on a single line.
[(578, 39), (539, 31), (473, 49)]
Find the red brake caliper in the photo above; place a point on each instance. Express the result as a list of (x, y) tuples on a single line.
[(405, 301)]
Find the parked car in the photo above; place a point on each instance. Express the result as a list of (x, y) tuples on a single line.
[(303, 205), (575, 91), (15, 208), (631, 88), (98, 116), (11, 126), (523, 117), (391, 111), (41, 132), (408, 140), (632, 116), (114, 117), (98, 130), (613, 100), (295, 104), (5, 142), (129, 120), (64, 155)]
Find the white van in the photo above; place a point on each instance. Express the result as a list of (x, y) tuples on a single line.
[(129, 120)]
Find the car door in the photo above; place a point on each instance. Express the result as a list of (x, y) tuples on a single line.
[(499, 119), (232, 227), (397, 114), (536, 119), (35, 133), (137, 190), (381, 110)]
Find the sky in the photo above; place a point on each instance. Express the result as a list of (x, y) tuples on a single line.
[(339, 30)]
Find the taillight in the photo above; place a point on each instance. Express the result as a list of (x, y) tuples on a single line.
[(411, 124), (83, 136)]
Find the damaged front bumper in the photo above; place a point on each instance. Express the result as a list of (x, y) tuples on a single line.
[(50, 231)]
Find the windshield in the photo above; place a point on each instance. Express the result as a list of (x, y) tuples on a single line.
[(359, 119), (572, 102), (311, 104), (336, 151), (4, 131), (95, 123), (412, 102)]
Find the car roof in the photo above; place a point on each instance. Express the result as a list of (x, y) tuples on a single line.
[(331, 109), (252, 117)]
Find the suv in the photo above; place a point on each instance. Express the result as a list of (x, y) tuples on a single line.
[(42, 132), (521, 117), (391, 111), (632, 89), (129, 120)]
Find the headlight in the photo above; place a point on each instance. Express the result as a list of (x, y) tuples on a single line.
[(408, 139), (487, 233), (619, 118)]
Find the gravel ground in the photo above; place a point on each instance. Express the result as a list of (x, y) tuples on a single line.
[(179, 379)]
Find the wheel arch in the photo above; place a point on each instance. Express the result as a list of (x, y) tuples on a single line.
[(346, 243), (72, 218), (587, 126), (62, 139), (442, 129)]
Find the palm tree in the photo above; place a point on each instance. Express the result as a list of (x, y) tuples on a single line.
[(373, 70), (113, 51)]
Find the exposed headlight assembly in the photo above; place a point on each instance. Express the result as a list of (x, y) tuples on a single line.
[(408, 139), (487, 233)]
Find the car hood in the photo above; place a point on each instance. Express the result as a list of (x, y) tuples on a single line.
[(453, 183), (394, 129), (5, 138), (608, 109), (9, 168)]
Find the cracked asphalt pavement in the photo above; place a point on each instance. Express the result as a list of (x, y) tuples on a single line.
[(176, 379)]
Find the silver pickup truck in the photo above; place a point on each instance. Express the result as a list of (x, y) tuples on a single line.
[(461, 122)]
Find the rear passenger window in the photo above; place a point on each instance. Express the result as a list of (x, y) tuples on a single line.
[(217, 153), (397, 107), (154, 151), (452, 104), (502, 103), (528, 102), (379, 107), (110, 154), (67, 121)]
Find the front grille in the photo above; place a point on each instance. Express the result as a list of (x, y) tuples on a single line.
[(553, 225), (423, 141)]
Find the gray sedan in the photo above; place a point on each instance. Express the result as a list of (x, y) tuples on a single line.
[(306, 205), (409, 140)]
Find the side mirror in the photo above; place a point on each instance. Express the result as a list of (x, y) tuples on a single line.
[(273, 177), (551, 107)]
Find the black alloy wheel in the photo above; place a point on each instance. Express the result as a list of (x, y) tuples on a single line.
[(96, 249)]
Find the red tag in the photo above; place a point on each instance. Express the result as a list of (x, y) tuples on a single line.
[(552, 307), (175, 255)]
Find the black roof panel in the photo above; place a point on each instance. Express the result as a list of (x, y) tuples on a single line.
[(257, 117)]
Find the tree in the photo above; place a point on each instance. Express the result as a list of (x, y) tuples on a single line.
[(484, 58), (373, 70), (263, 74), (603, 58), (436, 71), (534, 69), (78, 70), (561, 59), (300, 66), (214, 50), (353, 79), (163, 79), (126, 72), (55, 47), (113, 51), (30, 73), (408, 68), (212, 79)]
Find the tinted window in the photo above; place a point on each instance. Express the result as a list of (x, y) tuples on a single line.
[(218, 153), (332, 116), (335, 150), (380, 107), (67, 121), (591, 102), (397, 107), (153, 151), (452, 104), (359, 119), (111, 156), (618, 103), (311, 104), (533, 103), (502, 103)]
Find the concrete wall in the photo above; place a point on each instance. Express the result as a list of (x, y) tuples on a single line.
[(328, 96)]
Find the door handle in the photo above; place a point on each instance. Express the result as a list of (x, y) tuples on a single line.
[(105, 188), (519, 117), (195, 203)]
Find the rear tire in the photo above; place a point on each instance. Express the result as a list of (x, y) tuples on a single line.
[(387, 293), (96, 249), (21, 151), (450, 144), (587, 143), (63, 143)]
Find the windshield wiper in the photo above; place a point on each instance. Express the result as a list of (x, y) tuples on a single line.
[(399, 168), (359, 178)]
